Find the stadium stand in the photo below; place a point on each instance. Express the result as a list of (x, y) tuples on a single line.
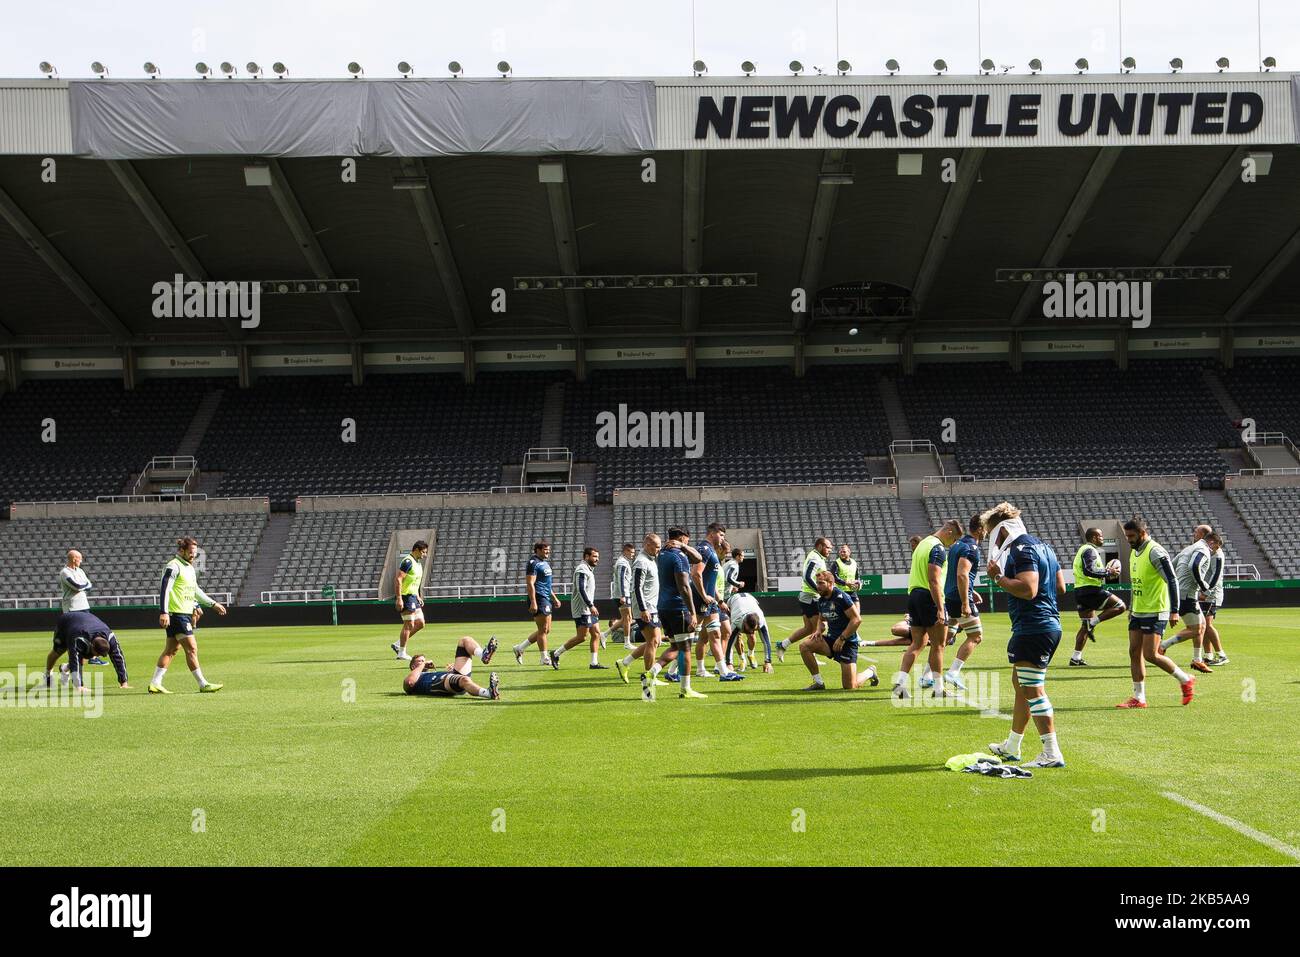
[(124, 555), (104, 434), (763, 426), (347, 548), (1272, 515), (872, 527), (1077, 418), (1055, 517), (1266, 391), (414, 433)]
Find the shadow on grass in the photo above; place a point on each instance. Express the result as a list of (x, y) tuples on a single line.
[(810, 774)]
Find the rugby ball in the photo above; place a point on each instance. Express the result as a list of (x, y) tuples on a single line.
[(1113, 568)]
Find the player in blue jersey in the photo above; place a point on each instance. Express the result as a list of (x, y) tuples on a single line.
[(840, 641), (541, 601), (1028, 571), (677, 607), (960, 598), (704, 577), (454, 680)]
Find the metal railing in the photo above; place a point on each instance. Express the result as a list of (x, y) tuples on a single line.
[(154, 497), (541, 487), (169, 463), (315, 596), (556, 453), (104, 601), (911, 445), (950, 479), (1275, 470), (879, 480), (1240, 571)]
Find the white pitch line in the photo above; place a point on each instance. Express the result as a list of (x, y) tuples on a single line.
[(1259, 836)]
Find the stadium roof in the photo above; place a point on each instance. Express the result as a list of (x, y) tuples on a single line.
[(80, 255)]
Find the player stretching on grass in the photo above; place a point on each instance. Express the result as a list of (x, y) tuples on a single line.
[(1028, 571), (406, 586), (537, 579), (176, 600), (83, 635), (454, 680), (1093, 602), (747, 619), (840, 643), (1155, 603), (586, 618)]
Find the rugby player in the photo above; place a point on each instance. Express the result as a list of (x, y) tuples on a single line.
[(407, 581), (541, 600), (747, 619), (83, 635), (1210, 603), (925, 605), (901, 630), (454, 680), (704, 577), (845, 572), (1028, 571), (1155, 604), (646, 627), (814, 562), (586, 618), (177, 597), (620, 589), (677, 607), (73, 584), (1192, 566), (1094, 603), (840, 643), (961, 600)]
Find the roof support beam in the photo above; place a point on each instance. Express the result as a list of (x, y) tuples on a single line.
[(945, 226), (1209, 201), (25, 228), (1087, 192), (814, 251), (1279, 264), (693, 178), (435, 235), (166, 230), (303, 235), (566, 243)]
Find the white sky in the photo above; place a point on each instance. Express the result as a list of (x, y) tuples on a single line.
[(317, 38)]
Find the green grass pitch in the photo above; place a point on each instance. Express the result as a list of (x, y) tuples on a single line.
[(571, 767)]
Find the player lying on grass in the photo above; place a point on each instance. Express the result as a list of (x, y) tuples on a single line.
[(840, 642), (1028, 571), (83, 635), (454, 680)]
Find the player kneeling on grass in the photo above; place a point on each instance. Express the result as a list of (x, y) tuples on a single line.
[(1093, 602), (840, 643), (1028, 571), (179, 593), (83, 635), (454, 679)]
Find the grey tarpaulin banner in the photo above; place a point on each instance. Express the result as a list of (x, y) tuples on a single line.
[(156, 118), (1295, 103)]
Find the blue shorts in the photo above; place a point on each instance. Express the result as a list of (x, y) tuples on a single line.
[(638, 624), (1209, 609), (675, 624), (180, 625), (434, 684), (953, 607), (544, 607), (848, 651), (1037, 648), (585, 621), (921, 609), (1147, 624), (808, 605)]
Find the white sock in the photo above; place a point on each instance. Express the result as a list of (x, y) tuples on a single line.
[(1077, 656), (1196, 654), (558, 651), (1094, 621), (546, 658), (1012, 743), (900, 678), (198, 676), (817, 679), (1140, 690), (1049, 746), (595, 658), (956, 666), (655, 669), (1181, 676), (484, 693), (686, 680), (158, 675), (522, 646), (927, 674), (627, 662)]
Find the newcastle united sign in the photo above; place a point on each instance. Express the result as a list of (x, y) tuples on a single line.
[(985, 111)]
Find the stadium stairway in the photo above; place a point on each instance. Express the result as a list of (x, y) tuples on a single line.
[(600, 533), (894, 414), (1232, 528), (1221, 394), (553, 416), (193, 437), (915, 519), (266, 559)]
